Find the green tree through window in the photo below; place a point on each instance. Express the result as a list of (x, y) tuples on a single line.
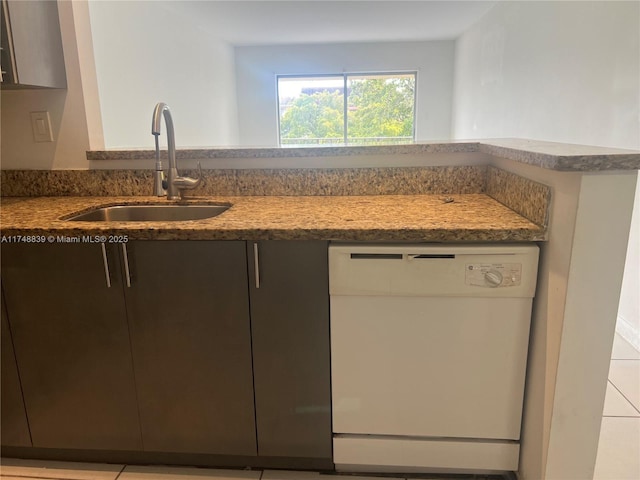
[(380, 109), (319, 115)]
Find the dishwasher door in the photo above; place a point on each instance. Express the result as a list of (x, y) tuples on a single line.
[(429, 366), (429, 343)]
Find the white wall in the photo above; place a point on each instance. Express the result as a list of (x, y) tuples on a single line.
[(146, 52), (557, 71), (629, 310), (74, 115), (566, 72), (257, 67)]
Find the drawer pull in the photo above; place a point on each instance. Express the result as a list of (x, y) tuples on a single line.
[(256, 264), (126, 264), (105, 261)]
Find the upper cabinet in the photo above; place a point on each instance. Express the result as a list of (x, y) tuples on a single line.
[(32, 53)]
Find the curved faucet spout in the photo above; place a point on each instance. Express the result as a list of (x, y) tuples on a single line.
[(175, 183), (156, 121), (162, 109)]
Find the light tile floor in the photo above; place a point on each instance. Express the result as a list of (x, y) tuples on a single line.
[(15, 469), (619, 447), (42, 470)]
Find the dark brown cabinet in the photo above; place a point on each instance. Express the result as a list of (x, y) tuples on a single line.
[(290, 331), (15, 429), (72, 345), (170, 347), (191, 341)]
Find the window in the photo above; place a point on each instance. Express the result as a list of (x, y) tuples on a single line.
[(376, 109)]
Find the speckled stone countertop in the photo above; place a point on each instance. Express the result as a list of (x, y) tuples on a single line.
[(563, 157), (550, 155), (286, 152), (416, 218)]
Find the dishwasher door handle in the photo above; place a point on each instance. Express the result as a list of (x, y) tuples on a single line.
[(398, 256), (376, 256)]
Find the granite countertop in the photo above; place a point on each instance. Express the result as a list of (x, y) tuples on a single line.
[(549, 155), (416, 218)]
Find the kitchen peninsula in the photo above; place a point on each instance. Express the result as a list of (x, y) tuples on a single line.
[(564, 196)]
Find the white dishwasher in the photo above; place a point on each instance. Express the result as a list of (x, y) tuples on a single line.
[(428, 355)]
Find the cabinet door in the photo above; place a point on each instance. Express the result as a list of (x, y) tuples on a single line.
[(15, 429), (189, 318), (72, 345), (290, 333), (32, 52)]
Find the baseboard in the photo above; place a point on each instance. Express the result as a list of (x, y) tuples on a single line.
[(629, 332), (175, 459)]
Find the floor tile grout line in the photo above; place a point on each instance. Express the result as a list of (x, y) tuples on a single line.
[(30, 477), (627, 342), (120, 472), (40, 476), (625, 397)]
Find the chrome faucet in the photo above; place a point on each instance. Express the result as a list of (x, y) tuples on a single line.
[(174, 184)]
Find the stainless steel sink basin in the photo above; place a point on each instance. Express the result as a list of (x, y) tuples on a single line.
[(150, 213)]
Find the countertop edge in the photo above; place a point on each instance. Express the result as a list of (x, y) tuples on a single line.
[(567, 163), (585, 158), (55, 235), (273, 152)]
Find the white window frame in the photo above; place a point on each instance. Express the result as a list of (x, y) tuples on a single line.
[(345, 76)]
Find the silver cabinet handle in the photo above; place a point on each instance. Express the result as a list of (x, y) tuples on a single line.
[(256, 264), (127, 274), (106, 264)]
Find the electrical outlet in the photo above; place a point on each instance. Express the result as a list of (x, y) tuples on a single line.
[(41, 126)]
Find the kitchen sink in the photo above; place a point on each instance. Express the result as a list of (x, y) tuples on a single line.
[(150, 213)]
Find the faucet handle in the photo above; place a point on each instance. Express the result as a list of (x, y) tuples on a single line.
[(200, 176), (187, 183)]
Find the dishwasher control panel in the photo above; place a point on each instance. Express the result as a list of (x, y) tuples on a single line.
[(493, 275), (415, 270)]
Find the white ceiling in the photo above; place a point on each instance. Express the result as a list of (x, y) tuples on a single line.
[(244, 22)]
